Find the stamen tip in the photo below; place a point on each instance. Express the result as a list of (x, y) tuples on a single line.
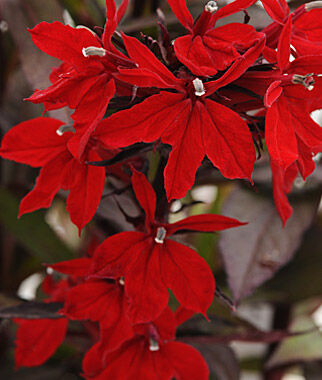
[(211, 7)]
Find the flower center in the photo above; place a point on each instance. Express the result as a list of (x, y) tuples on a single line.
[(199, 87), (211, 7), (306, 80), (160, 235), (93, 51)]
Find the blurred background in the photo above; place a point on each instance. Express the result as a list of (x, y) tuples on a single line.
[(266, 320)]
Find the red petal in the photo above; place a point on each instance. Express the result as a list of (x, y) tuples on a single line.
[(278, 10), (235, 158), (279, 133), (188, 276), (204, 222), (64, 42), (187, 361), (187, 153), (86, 191), (76, 267), (273, 93), (148, 295), (179, 8), (47, 185), (143, 122), (231, 8), (94, 300), (238, 67), (38, 339), (114, 257), (147, 60), (145, 195), (284, 46), (34, 142)]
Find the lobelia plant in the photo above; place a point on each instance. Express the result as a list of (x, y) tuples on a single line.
[(214, 92)]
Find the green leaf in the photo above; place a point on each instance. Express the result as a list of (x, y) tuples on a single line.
[(31, 231)]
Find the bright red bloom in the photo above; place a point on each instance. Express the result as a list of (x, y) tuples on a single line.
[(151, 262), (289, 99), (206, 50), (84, 81), (188, 118), (306, 34), (150, 355), (36, 143)]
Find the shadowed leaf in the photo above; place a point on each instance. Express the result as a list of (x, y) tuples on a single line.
[(253, 253), (32, 310)]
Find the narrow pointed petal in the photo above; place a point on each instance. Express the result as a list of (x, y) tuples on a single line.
[(187, 153), (116, 254), (231, 8), (233, 156), (144, 194), (42, 335), (284, 46), (86, 191), (204, 222), (279, 134), (188, 276), (145, 59), (34, 142), (47, 185), (64, 42), (179, 8), (278, 10), (273, 93), (76, 267), (148, 295)]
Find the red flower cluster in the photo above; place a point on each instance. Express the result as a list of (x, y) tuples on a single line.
[(212, 93)]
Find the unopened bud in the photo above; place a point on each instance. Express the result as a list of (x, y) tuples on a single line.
[(154, 345), (199, 87), (93, 51), (313, 5), (161, 234), (65, 128), (211, 7), (306, 80)]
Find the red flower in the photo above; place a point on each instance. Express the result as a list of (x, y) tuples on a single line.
[(150, 355), (187, 118), (206, 50), (36, 143), (306, 31), (151, 262), (289, 100), (84, 81)]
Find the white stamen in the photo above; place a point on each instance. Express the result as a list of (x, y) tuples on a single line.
[(211, 7), (199, 87), (65, 128), (161, 234), (121, 281), (93, 50), (306, 80), (313, 5), (154, 345)]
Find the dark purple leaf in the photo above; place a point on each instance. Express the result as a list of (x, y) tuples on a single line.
[(253, 253), (32, 310)]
